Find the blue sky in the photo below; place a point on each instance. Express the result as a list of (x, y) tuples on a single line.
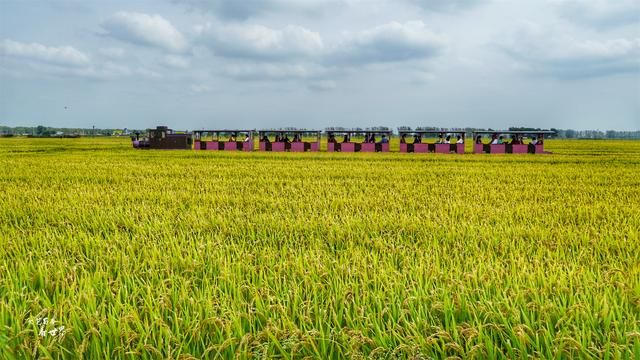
[(196, 64)]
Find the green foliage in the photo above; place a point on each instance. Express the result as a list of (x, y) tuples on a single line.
[(181, 254)]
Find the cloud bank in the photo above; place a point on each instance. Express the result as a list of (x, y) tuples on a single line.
[(145, 29), (541, 51), (63, 55), (416, 60)]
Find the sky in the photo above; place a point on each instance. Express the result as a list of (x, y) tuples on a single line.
[(194, 64)]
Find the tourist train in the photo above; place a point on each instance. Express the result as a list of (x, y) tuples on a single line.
[(439, 141)]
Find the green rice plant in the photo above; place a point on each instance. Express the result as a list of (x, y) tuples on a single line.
[(184, 254)]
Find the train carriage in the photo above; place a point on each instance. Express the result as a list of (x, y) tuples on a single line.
[(447, 141), (346, 140), (297, 140), (163, 138), (223, 140), (510, 142)]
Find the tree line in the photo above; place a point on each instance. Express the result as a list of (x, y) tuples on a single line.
[(47, 131)]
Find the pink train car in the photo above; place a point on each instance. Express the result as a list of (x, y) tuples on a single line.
[(447, 141), (223, 140), (289, 140), (509, 141), (358, 140)]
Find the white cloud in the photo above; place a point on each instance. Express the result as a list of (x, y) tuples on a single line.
[(104, 71), (445, 5), (147, 73), (541, 51), (600, 13), (200, 88), (274, 71), (260, 42), (262, 53), (67, 62), (65, 55), (242, 9), (113, 53), (176, 61), (322, 85), (144, 29), (390, 42)]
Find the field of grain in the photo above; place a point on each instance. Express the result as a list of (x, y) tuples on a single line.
[(110, 252)]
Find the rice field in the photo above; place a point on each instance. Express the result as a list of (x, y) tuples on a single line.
[(110, 252)]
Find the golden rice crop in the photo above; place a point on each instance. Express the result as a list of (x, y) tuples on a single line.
[(109, 252)]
